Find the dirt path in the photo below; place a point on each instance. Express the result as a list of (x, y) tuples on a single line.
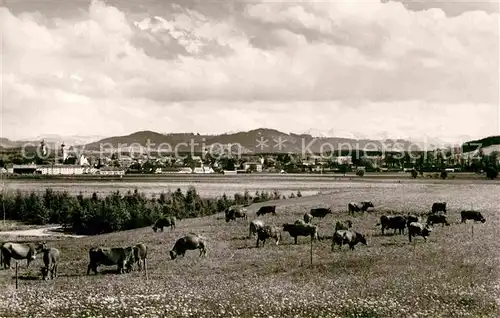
[(46, 231)]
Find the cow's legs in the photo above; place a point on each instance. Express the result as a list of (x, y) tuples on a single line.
[(295, 240)]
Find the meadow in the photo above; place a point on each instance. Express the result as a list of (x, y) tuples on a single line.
[(454, 274), (213, 185)]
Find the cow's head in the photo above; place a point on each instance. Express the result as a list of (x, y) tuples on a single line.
[(368, 204), (45, 272), (361, 238), (173, 254), (155, 228), (40, 247), (427, 230)]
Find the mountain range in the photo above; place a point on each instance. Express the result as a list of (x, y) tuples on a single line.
[(262, 140)]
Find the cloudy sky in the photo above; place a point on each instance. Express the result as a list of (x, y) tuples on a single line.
[(344, 68)]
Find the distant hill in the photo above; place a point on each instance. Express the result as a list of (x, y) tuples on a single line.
[(262, 140)]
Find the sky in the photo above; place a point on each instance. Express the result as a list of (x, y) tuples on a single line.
[(361, 69)]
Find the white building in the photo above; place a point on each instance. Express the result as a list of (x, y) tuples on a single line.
[(60, 170), (111, 171)]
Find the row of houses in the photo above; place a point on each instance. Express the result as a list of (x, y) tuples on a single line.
[(61, 169)]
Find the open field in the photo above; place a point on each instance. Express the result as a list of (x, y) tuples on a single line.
[(452, 275), (215, 185)]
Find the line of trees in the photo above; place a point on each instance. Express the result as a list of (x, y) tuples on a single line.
[(116, 212)]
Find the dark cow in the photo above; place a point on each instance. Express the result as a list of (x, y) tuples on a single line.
[(343, 225), (19, 251), (472, 215), (295, 230), (308, 218), (437, 218), (439, 206), (110, 256), (361, 206), (396, 222), (267, 209), (349, 237), (165, 222), (234, 212), (268, 231), (320, 212), (140, 252), (50, 260), (255, 225), (418, 229), (190, 241)]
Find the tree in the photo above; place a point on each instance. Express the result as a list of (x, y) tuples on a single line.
[(491, 172), (414, 174), (444, 174)]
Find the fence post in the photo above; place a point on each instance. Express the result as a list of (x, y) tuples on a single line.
[(146, 268), (311, 250), (16, 276), (472, 229)]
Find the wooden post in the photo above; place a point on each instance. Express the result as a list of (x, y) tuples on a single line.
[(16, 276), (146, 268), (311, 250), (472, 229)]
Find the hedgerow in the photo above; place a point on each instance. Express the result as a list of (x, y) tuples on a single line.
[(115, 211)]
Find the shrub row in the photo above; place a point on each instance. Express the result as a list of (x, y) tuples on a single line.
[(115, 212)]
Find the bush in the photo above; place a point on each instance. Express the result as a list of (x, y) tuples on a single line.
[(360, 173), (116, 212)]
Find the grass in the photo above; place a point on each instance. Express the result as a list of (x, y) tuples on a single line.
[(452, 275), (10, 225)]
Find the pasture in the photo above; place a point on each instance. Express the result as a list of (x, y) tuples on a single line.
[(454, 274)]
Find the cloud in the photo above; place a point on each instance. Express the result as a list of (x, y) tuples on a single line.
[(191, 65)]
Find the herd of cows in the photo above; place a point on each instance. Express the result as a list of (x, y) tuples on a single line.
[(343, 234)]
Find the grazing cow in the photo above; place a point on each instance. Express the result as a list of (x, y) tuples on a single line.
[(255, 225), (109, 256), (190, 241), (268, 231), (343, 225), (234, 212), (164, 222), (396, 222), (418, 229), (140, 252), (439, 206), (308, 218), (295, 230), (437, 218), (320, 212), (267, 209), (349, 237), (50, 260), (19, 251), (472, 215), (361, 206)]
